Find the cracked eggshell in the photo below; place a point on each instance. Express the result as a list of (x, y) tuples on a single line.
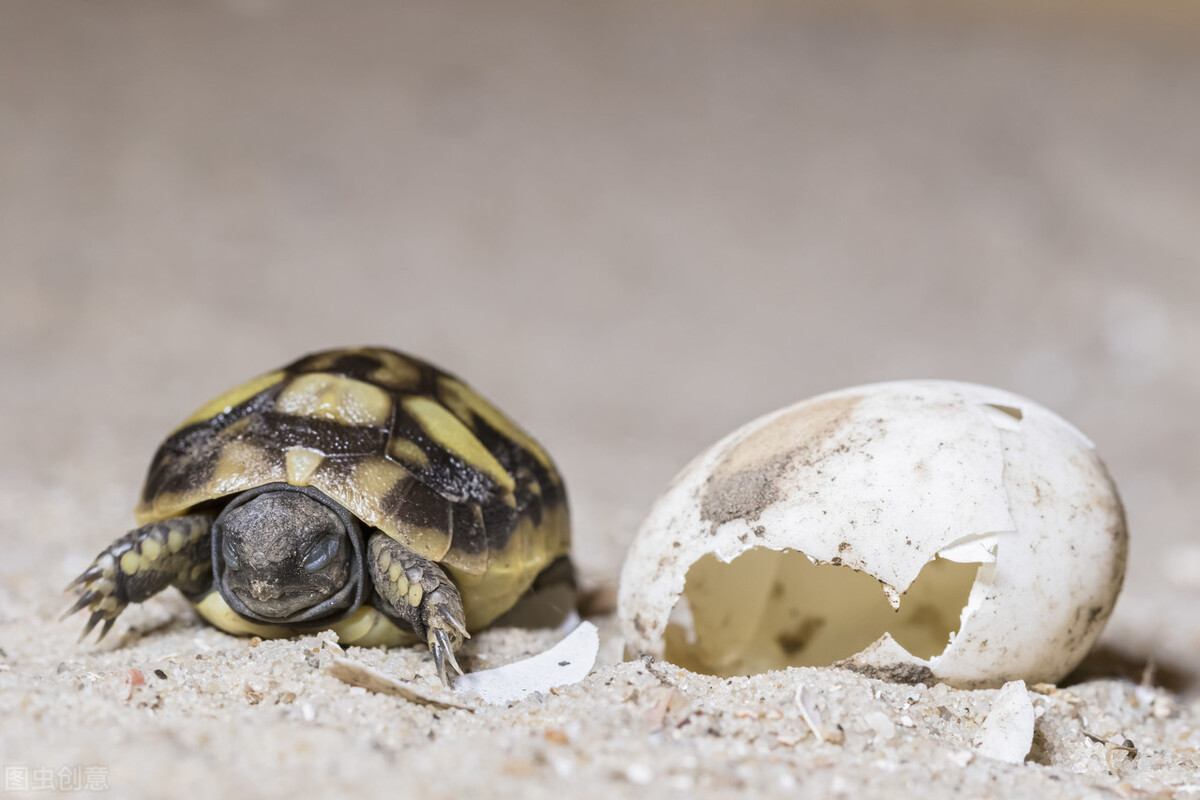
[(885, 479)]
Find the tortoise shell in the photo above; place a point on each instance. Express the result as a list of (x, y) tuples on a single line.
[(405, 447)]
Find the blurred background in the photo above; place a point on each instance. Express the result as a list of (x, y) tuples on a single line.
[(634, 226)]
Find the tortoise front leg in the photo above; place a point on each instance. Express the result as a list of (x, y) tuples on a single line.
[(417, 591), (143, 562)]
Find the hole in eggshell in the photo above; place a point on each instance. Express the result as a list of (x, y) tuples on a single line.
[(771, 609)]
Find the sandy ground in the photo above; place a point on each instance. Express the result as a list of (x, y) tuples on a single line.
[(634, 227)]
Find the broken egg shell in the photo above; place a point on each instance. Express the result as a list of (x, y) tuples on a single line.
[(886, 479)]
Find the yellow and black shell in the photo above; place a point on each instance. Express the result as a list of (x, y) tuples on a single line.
[(405, 447)]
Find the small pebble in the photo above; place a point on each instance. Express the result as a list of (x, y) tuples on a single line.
[(880, 723), (639, 773)]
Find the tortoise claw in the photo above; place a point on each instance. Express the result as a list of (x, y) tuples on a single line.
[(88, 575), (92, 622), (459, 625), (443, 654), (84, 600), (91, 599), (101, 591)]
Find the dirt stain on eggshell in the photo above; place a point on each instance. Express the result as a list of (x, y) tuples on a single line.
[(894, 673), (748, 479)]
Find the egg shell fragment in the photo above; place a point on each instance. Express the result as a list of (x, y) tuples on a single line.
[(1007, 733), (884, 479)]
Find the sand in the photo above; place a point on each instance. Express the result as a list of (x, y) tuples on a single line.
[(634, 227)]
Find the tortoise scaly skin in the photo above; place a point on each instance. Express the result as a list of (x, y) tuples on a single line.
[(388, 493)]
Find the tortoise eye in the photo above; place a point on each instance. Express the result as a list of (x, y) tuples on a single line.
[(230, 553), (322, 553)]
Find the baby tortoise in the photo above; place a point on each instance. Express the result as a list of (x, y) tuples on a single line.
[(360, 490)]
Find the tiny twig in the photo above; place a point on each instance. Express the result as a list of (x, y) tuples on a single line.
[(1126, 746)]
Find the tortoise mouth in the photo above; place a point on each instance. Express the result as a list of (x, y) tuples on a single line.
[(286, 607), (282, 606), (297, 607)]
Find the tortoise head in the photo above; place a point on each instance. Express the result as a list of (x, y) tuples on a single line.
[(288, 554)]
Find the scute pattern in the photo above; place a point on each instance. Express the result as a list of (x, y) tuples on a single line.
[(477, 499)]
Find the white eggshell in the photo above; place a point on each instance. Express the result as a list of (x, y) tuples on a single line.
[(883, 479), (1007, 733)]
